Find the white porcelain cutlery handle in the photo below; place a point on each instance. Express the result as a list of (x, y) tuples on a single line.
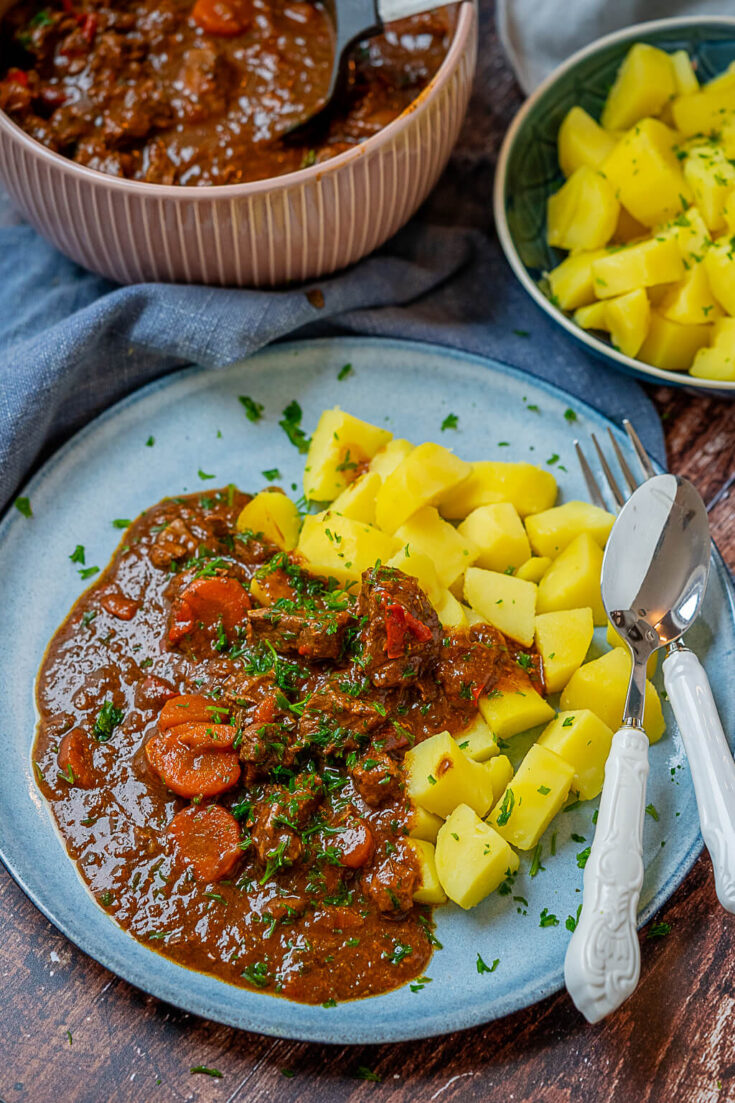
[(390, 10), (711, 763), (603, 959)]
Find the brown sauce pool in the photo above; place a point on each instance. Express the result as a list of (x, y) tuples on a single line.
[(315, 901)]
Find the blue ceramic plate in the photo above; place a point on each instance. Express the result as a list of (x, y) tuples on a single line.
[(107, 471), (528, 168)]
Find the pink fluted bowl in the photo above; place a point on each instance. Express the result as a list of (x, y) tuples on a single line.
[(270, 232)]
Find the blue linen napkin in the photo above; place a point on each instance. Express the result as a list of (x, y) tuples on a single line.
[(71, 344)]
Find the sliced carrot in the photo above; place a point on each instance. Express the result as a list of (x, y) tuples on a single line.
[(188, 771), (265, 710), (76, 759), (117, 605), (191, 708), (356, 843), (207, 839), (206, 737), (222, 17), (209, 602)]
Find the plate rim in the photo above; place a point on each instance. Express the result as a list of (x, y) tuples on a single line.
[(433, 1025)]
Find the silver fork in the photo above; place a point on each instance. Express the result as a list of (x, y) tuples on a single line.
[(690, 694)]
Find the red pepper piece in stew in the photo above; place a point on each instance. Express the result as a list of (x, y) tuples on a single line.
[(398, 624), (207, 839), (189, 771), (222, 17), (211, 603)]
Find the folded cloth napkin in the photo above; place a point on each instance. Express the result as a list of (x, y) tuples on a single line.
[(71, 344)]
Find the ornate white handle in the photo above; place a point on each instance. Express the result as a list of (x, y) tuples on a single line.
[(711, 762), (603, 959)]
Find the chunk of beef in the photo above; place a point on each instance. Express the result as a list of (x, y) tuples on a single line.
[(314, 636), (472, 662), (401, 636), (173, 543), (339, 717), (392, 880), (264, 746), (377, 778), (280, 814), (203, 83)]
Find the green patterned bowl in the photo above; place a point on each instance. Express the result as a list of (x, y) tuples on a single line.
[(528, 170)]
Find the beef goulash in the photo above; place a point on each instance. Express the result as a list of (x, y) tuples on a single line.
[(197, 93)]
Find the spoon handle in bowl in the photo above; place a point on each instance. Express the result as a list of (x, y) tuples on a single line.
[(711, 763), (603, 959)]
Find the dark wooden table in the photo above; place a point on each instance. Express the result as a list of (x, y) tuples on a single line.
[(70, 1032)]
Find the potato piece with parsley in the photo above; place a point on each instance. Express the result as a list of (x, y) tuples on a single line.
[(440, 776), (338, 547), (430, 890), (533, 796), (426, 475), (340, 445), (510, 711), (498, 532), (472, 859), (451, 550), (573, 580), (506, 602), (530, 489), (582, 740), (562, 640), (273, 515), (602, 687), (553, 530)]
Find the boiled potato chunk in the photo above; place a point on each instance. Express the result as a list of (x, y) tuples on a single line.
[(719, 263), (451, 613), (498, 532), (614, 640), (711, 177), (339, 445), (628, 228), (506, 602), (451, 551), (387, 459), (644, 83), (690, 302), (424, 824), (593, 316), (571, 283), (530, 489), (426, 474), (633, 267), (627, 317), (582, 740), (684, 75), (573, 580), (533, 796), (703, 112), (562, 640), (582, 141), (718, 362), (510, 711), (477, 741), (472, 860), (429, 890), (553, 530), (342, 548), (500, 769), (358, 499), (440, 776), (534, 569), (672, 346), (646, 175), (602, 687), (690, 233), (275, 516), (584, 212), (421, 567)]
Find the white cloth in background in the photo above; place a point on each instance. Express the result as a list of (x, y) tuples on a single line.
[(539, 34)]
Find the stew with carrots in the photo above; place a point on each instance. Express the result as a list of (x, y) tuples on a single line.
[(221, 739), (200, 92)]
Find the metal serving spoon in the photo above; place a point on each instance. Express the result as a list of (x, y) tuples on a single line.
[(353, 21), (654, 575)]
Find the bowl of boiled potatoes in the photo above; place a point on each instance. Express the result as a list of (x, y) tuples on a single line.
[(615, 200)]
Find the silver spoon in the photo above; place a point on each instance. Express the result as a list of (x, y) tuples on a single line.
[(355, 20), (654, 575)]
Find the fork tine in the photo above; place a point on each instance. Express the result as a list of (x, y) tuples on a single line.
[(627, 473), (643, 457), (592, 487), (611, 481)]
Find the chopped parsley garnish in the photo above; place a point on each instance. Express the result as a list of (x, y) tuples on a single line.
[(659, 930), (547, 919), (573, 920), (330, 1003), (544, 790), (419, 984), (400, 951), (344, 372), (257, 974), (77, 556), (652, 811), (291, 425), (271, 474), (582, 857), (150, 442), (536, 866), (364, 1073), (253, 409), (203, 475), (451, 421), (483, 967), (23, 505), (121, 523), (107, 720), (570, 415), (506, 808), (206, 1071)]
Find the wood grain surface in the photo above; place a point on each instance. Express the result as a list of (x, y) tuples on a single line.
[(70, 1032)]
